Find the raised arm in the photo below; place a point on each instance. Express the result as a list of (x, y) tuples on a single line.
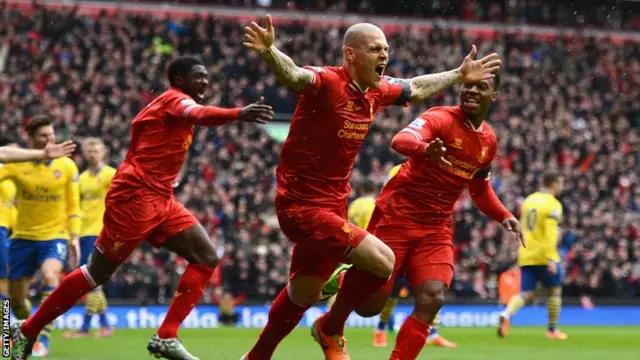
[(471, 70), (210, 116), (9, 154), (285, 70)]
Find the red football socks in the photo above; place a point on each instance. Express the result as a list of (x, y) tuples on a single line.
[(284, 316), (357, 288), (73, 288), (187, 296), (410, 340)]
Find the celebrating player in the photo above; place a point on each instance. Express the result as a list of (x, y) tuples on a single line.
[(48, 222), (360, 213), (540, 262), (94, 183), (140, 206), (449, 149), (332, 117)]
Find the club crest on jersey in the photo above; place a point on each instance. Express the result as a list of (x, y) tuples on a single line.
[(116, 246), (350, 105), (57, 174), (457, 144), (483, 153)]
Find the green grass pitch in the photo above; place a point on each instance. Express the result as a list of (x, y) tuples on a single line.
[(528, 343)]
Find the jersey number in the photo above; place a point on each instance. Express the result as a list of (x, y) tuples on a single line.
[(531, 218)]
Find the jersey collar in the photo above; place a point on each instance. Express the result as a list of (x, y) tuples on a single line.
[(46, 163), (352, 83), (98, 169)]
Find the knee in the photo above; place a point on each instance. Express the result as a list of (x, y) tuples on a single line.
[(305, 290), (305, 298), (430, 298), (374, 306), (51, 277), (209, 259), (366, 312), (383, 262)]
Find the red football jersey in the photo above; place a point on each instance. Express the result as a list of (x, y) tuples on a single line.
[(424, 192), (328, 128), (160, 138)]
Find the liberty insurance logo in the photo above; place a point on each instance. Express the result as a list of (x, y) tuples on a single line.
[(6, 336)]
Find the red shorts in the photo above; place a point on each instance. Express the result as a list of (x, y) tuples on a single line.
[(132, 218), (323, 237), (423, 253)]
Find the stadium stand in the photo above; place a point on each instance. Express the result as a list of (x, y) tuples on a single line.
[(571, 104)]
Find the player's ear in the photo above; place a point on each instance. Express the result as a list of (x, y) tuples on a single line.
[(178, 80), (494, 97), (348, 54)]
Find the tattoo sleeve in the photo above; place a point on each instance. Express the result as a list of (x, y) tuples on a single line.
[(286, 71), (425, 86)]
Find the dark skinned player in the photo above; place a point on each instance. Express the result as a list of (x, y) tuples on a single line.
[(140, 206), (450, 149)]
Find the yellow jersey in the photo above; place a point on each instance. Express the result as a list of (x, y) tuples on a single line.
[(48, 198), (8, 211), (93, 191), (394, 170), (360, 211), (541, 213)]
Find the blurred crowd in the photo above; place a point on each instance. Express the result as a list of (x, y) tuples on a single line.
[(623, 15), (572, 105)]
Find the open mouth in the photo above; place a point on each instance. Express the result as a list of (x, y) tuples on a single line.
[(380, 69), (472, 101)]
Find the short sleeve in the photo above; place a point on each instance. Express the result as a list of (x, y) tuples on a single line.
[(395, 91), (424, 128), (180, 106), (556, 211), (321, 78)]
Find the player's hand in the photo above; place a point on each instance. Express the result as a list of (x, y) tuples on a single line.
[(513, 226), (74, 252), (257, 112), (258, 38), (54, 151), (552, 267), (435, 151), (473, 70)]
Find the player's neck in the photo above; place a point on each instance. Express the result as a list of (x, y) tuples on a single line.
[(352, 74), (547, 191), (476, 122)]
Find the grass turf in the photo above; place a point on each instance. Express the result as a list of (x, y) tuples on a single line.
[(585, 343)]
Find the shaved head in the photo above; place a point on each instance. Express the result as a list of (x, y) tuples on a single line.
[(357, 34), (366, 52)]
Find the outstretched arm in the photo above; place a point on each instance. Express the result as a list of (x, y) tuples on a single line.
[(10, 154), (286, 71), (425, 86), (471, 70)]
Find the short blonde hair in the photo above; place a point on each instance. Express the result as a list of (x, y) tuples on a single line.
[(93, 141)]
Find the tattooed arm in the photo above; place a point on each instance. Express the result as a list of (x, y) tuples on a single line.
[(425, 86), (285, 70), (470, 71)]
